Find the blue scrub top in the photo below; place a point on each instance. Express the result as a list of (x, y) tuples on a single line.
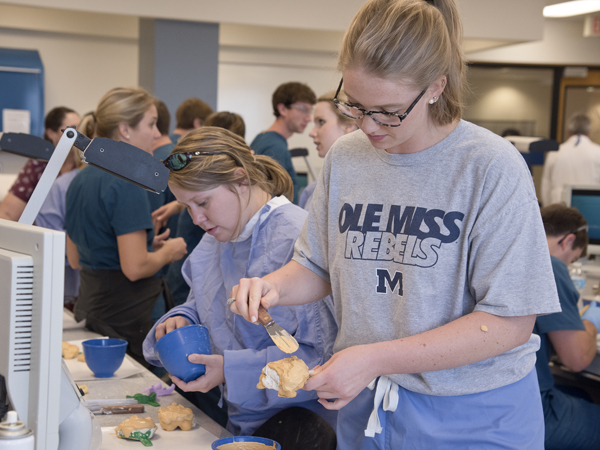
[(568, 319), (273, 144), (100, 207)]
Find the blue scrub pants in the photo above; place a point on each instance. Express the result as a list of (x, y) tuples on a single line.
[(509, 417), (571, 422)]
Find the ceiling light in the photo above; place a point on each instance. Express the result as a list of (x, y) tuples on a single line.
[(572, 8)]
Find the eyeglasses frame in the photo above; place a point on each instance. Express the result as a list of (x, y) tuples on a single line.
[(577, 230), (365, 112)]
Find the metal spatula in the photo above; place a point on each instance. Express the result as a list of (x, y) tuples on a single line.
[(282, 339)]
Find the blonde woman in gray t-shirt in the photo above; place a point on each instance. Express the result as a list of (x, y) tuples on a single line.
[(426, 230)]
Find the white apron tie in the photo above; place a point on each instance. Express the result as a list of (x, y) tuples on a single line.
[(387, 391)]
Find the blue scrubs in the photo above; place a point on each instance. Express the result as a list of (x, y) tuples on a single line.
[(101, 207), (212, 270), (571, 422), (492, 420)]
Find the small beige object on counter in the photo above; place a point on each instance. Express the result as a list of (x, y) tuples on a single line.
[(84, 389), (245, 446), (484, 328), (69, 351), (175, 416), (286, 376), (81, 357), (133, 424)]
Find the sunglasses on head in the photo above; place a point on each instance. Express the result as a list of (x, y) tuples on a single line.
[(178, 161)]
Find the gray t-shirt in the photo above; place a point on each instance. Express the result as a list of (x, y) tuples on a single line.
[(411, 242)]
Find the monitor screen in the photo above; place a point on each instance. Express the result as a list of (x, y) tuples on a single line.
[(587, 202)]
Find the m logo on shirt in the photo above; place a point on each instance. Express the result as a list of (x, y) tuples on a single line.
[(408, 235), (385, 280)]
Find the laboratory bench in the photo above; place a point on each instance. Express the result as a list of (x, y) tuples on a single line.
[(200, 437)]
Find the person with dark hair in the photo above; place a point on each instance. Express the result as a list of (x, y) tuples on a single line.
[(162, 149), (163, 145), (577, 161), (292, 106), (427, 231), (190, 115), (511, 132), (228, 120), (239, 199), (571, 421), (16, 199)]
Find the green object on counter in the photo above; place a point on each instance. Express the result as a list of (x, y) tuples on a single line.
[(145, 399), (138, 435)]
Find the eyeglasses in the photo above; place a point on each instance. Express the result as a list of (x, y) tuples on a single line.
[(387, 119), (302, 109), (581, 228), (178, 161)]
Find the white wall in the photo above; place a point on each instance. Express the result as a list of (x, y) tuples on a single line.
[(248, 77), (511, 100), (563, 43), (78, 69)]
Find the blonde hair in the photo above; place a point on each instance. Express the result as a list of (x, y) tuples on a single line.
[(328, 98), (416, 41), (87, 126), (121, 105), (209, 171)]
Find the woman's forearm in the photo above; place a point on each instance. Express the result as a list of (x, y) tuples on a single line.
[(474, 337), (298, 285)]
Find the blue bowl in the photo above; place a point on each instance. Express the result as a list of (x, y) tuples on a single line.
[(215, 445), (174, 348), (104, 356)]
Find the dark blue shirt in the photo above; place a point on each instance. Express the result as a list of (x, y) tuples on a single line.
[(273, 144), (100, 207), (568, 319)]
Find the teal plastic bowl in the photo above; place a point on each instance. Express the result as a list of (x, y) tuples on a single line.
[(215, 445), (104, 356)]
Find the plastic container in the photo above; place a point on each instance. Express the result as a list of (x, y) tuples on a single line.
[(14, 434), (268, 442), (104, 356), (578, 277), (174, 348)]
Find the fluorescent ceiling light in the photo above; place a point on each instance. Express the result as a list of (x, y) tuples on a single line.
[(572, 8)]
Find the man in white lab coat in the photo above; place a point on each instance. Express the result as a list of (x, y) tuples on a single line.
[(576, 162)]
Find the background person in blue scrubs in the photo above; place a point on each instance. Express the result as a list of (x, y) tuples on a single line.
[(110, 233), (571, 422)]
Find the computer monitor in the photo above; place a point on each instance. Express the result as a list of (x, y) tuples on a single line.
[(586, 199), (31, 298), (39, 385)]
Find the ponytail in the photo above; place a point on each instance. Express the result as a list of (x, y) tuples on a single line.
[(279, 180)]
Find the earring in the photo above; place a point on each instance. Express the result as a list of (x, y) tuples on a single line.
[(128, 135), (433, 100)]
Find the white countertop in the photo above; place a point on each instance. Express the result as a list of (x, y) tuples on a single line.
[(199, 438)]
